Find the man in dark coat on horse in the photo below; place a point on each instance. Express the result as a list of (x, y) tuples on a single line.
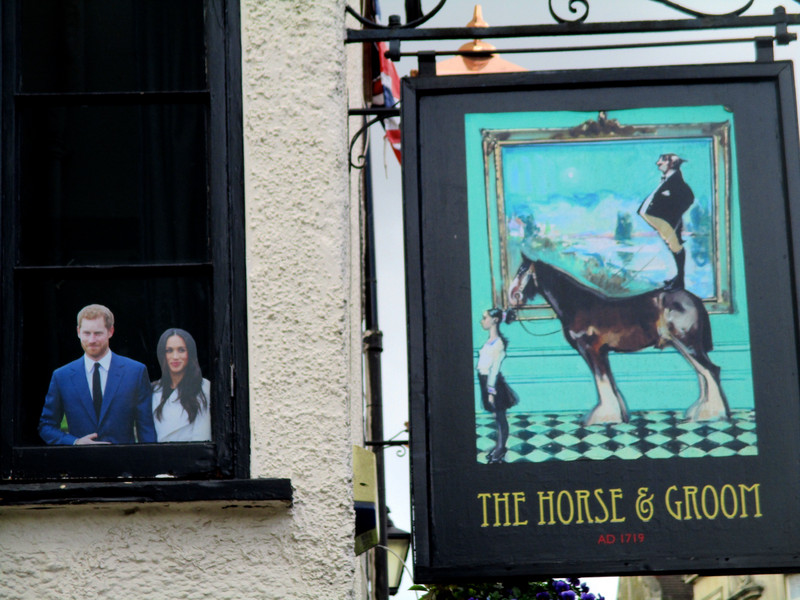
[(663, 210)]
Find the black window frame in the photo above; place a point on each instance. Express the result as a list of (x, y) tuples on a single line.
[(228, 455)]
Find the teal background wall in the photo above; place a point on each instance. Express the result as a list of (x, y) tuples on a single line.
[(546, 372)]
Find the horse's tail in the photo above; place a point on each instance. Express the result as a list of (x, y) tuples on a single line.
[(708, 342)]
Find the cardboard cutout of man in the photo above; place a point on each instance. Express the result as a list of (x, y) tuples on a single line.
[(663, 210), (103, 395)]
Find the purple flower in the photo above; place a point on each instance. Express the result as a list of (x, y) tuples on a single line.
[(587, 596), (543, 596), (567, 595), (584, 588), (561, 586), (574, 581)]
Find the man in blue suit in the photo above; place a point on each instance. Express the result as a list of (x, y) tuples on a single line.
[(105, 397)]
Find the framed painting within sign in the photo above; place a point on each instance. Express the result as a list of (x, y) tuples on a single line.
[(575, 192)]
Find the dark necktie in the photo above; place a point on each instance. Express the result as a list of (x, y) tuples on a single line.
[(97, 390)]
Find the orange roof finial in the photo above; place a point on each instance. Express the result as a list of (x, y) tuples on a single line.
[(480, 59), (477, 18), (477, 45)]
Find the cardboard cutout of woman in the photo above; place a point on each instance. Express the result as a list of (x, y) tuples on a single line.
[(182, 397)]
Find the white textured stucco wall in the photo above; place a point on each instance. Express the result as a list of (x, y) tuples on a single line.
[(304, 356), (303, 306)]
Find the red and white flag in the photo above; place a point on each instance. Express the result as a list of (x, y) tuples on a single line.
[(386, 92)]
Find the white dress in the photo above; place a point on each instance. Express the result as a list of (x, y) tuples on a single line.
[(174, 425), (490, 357)]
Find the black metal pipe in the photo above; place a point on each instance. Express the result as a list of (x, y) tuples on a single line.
[(562, 29), (381, 112), (373, 346), (591, 48), (384, 444)]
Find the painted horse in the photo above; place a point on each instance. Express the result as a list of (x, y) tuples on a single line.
[(595, 324)]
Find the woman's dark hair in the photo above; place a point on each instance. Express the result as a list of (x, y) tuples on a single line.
[(502, 316), (190, 388)]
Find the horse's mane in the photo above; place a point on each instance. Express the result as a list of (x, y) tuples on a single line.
[(563, 279), (554, 275)]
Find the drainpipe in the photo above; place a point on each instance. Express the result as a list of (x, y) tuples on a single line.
[(373, 346)]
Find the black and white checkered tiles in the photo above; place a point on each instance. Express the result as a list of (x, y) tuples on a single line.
[(539, 437)]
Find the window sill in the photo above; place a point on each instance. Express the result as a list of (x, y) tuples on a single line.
[(76, 492)]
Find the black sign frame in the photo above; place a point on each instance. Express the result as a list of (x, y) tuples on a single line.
[(455, 538)]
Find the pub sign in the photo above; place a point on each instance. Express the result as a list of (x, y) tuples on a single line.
[(603, 337)]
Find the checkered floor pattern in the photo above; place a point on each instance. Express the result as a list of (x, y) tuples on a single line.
[(537, 437)]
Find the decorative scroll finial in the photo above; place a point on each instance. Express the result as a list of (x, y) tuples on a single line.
[(480, 58), (576, 15), (477, 18), (477, 21)]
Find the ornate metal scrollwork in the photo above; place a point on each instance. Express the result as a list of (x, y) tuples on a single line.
[(400, 445), (576, 15), (579, 10), (381, 114), (394, 23), (361, 158), (697, 13)]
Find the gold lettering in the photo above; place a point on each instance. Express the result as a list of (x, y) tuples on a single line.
[(598, 494), (483, 498), (755, 489), (582, 500), (561, 518), (690, 492), (734, 498), (549, 497), (703, 496), (616, 494), (712, 501), (518, 497), (673, 509), (497, 502), (644, 505)]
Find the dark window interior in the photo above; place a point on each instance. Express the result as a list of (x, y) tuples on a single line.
[(111, 45), (112, 184)]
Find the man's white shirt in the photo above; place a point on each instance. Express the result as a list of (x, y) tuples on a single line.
[(105, 363)]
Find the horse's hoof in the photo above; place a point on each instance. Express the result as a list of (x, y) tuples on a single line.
[(602, 419), (700, 411)]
